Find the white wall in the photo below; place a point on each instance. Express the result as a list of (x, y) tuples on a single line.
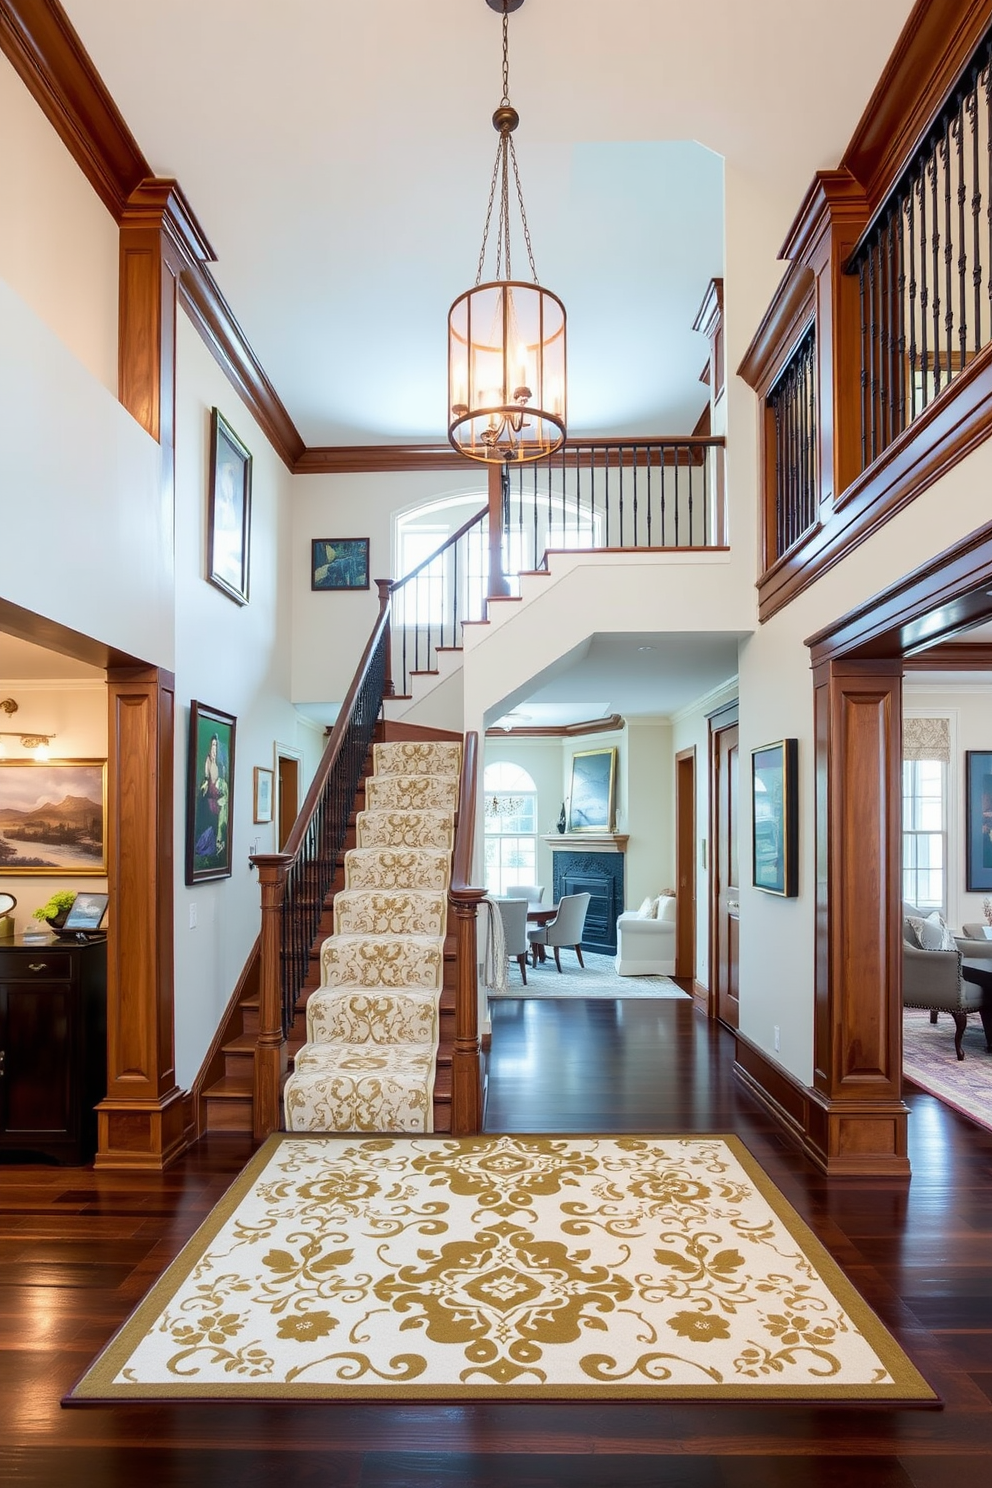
[(331, 630), (58, 243), (75, 711), (236, 658)]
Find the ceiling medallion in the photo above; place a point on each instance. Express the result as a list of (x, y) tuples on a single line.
[(506, 337)]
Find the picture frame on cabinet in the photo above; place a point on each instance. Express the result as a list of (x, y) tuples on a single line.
[(339, 563), (53, 817), (229, 518), (775, 818), (209, 793), (262, 794)]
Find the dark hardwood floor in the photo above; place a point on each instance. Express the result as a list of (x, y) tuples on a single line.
[(78, 1249)]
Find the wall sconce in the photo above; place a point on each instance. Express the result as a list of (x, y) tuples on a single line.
[(38, 742)]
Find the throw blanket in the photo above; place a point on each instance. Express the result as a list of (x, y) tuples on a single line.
[(494, 976)]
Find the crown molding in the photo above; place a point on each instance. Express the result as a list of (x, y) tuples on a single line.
[(371, 459), (561, 730)]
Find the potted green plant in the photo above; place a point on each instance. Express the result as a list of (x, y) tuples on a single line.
[(53, 913)]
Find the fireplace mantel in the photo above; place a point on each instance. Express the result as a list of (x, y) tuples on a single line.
[(586, 841)]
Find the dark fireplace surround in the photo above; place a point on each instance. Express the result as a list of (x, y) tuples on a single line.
[(601, 875)]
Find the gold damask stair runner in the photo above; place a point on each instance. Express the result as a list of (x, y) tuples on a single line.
[(370, 1058)]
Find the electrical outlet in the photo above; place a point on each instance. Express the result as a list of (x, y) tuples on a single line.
[(778, 1038), (192, 917)]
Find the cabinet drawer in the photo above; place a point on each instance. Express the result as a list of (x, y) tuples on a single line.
[(30, 965)]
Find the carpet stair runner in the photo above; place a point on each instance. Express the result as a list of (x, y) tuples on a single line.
[(373, 1028)]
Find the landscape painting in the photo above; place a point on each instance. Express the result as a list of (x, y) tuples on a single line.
[(53, 817)]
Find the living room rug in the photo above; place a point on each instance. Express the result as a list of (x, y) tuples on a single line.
[(599, 979), (502, 1268), (929, 1060)]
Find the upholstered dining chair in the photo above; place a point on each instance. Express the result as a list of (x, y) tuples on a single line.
[(564, 930), (513, 913), (533, 892)]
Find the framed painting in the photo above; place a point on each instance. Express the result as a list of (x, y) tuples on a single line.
[(229, 525), (775, 818), (53, 817), (263, 794), (978, 821), (592, 796), (339, 563), (209, 793)]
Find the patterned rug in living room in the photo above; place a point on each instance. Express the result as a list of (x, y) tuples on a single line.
[(503, 1268), (597, 979), (929, 1060)]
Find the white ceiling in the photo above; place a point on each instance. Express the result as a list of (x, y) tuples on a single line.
[(22, 661), (338, 154)]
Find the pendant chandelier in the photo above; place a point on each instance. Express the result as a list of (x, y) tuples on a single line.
[(506, 337)]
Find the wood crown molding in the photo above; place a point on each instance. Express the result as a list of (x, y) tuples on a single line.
[(833, 196), (951, 656), (787, 316), (935, 44), (374, 459), (561, 731), (711, 310)]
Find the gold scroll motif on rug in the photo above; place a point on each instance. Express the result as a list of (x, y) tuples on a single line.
[(505, 1267)]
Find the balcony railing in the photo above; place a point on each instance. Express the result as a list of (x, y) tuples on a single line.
[(791, 413)]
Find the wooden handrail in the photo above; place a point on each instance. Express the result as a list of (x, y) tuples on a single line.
[(303, 880), (466, 1057), (448, 543)]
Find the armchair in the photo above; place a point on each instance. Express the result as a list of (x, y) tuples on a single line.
[(933, 980), (513, 913), (565, 929)]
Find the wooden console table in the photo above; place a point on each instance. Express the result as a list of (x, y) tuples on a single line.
[(53, 1046)]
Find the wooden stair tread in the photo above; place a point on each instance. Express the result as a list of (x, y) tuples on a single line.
[(230, 1087)]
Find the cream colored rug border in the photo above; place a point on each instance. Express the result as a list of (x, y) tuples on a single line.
[(908, 1386)]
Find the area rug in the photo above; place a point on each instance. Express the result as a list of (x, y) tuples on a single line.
[(598, 979), (500, 1268), (929, 1060)]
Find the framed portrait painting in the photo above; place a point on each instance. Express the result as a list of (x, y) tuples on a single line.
[(229, 525), (53, 817), (339, 563), (592, 796), (209, 793), (775, 819), (978, 821)]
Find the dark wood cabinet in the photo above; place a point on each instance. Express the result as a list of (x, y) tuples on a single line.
[(53, 1047)]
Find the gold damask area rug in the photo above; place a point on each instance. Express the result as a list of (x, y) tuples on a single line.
[(499, 1268)]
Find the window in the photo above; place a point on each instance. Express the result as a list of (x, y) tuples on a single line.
[(511, 827), (924, 833)]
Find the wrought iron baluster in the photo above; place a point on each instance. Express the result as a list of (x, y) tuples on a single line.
[(935, 253), (945, 157), (924, 290), (900, 391), (865, 419), (962, 261), (971, 106)]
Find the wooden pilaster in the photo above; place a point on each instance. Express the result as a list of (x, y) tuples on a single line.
[(857, 1120), (140, 1123), (270, 1045)]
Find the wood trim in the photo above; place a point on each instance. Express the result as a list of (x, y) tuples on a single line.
[(561, 731), (38, 38), (374, 459), (935, 44), (782, 1095), (26, 625), (782, 326), (945, 595), (141, 1122), (466, 1054), (212, 1067), (709, 322), (951, 656), (685, 862), (958, 420), (218, 327)]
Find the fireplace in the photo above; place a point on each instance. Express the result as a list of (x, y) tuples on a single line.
[(599, 874)]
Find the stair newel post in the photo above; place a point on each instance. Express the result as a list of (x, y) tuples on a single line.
[(498, 479), (384, 587), (466, 1054), (270, 1046)]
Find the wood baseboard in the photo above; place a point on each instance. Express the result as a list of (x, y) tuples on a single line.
[(784, 1097)]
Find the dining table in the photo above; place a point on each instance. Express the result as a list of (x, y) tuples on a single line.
[(539, 914)]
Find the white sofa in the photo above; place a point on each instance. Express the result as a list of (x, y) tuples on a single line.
[(646, 946)]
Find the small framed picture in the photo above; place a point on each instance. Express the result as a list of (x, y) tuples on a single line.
[(53, 817), (263, 793), (229, 525), (209, 793), (775, 818), (339, 563), (978, 821)]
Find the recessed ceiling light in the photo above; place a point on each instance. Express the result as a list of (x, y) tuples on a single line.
[(645, 648)]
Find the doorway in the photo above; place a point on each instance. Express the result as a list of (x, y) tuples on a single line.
[(685, 865), (287, 792), (725, 891)]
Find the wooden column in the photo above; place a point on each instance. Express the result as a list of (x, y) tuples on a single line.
[(497, 579), (384, 586), (270, 1046), (857, 1120), (141, 1121), (466, 1055)]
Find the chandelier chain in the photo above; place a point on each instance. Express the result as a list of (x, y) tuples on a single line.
[(506, 54), (506, 156)]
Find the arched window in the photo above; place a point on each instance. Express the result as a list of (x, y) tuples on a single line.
[(511, 827)]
